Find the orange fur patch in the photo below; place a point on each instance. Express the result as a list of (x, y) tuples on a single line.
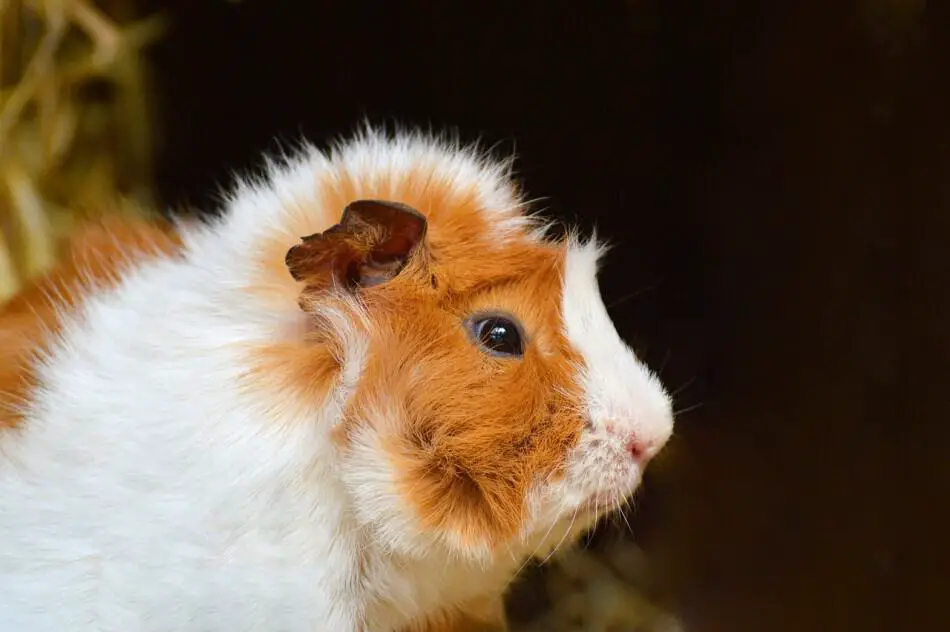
[(95, 256), (478, 431), (300, 370)]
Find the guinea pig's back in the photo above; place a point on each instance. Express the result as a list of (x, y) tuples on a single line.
[(92, 259)]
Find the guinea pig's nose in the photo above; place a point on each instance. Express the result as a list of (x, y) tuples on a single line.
[(642, 450), (641, 444)]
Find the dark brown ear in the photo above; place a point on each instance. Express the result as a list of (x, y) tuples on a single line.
[(370, 246)]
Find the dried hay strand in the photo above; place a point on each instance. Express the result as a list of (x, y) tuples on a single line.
[(75, 137)]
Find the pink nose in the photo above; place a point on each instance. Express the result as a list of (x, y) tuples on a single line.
[(641, 451), (641, 448)]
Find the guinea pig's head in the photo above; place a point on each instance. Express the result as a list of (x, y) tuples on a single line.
[(490, 396)]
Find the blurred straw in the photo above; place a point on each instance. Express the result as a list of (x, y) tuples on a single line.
[(75, 127)]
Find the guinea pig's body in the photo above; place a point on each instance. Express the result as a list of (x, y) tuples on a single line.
[(212, 429)]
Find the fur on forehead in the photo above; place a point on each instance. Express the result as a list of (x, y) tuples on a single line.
[(465, 438), (469, 197)]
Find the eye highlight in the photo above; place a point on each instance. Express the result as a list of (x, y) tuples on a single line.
[(498, 335)]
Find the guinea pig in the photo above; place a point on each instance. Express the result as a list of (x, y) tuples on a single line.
[(359, 398)]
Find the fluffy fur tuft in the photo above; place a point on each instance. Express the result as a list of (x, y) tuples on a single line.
[(195, 438)]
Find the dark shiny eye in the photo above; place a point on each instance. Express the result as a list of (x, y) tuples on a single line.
[(498, 335)]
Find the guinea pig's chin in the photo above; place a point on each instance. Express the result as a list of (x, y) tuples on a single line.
[(595, 483), (611, 492)]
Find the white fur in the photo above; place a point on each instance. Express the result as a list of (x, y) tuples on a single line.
[(620, 388), (625, 401), (148, 489)]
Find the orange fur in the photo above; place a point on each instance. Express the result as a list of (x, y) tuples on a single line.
[(96, 255), (478, 431)]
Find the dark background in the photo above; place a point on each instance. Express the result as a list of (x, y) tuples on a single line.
[(775, 175)]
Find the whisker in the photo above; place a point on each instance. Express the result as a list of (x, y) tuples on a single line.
[(563, 537), (623, 516), (683, 411), (511, 553), (663, 364), (631, 295), (682, 388), (540, 542)]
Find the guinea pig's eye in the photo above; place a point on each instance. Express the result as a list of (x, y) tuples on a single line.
[(498, 335)]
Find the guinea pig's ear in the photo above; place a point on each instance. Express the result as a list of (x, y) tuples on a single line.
[(370, 246)]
